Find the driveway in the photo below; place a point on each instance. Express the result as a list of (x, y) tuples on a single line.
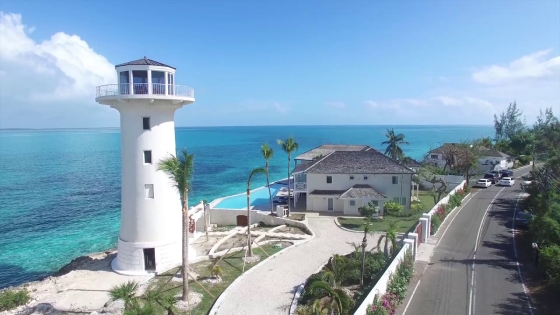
[(270, 288)]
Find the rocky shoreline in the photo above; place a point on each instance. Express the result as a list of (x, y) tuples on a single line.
[(79, 287)]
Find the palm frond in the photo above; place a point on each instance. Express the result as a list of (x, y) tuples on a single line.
[(255, 171), (267, 152), (179, 169)]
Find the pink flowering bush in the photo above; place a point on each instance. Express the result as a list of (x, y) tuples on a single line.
[(396, 289)]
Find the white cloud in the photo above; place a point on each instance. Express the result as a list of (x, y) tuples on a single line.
[(534, 66), (53, 82), (533, 81), (336, 105)]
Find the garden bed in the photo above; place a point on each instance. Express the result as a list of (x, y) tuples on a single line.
[(381, 225), (444, 209), (291, 230), (231, 267), (238, 240), (342, 275)]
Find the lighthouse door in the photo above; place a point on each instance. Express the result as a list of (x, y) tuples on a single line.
[(149, 259)]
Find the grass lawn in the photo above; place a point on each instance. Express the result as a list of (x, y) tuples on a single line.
[(231, 266), (404, 223), (427, 200)]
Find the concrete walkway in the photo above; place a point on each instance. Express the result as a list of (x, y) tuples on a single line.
[(270, 288)]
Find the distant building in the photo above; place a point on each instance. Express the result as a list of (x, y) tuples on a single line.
[(490, 158)]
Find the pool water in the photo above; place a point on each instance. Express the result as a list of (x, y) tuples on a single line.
[(258, 197)]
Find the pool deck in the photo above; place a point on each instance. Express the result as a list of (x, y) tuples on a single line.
[(265, 206)]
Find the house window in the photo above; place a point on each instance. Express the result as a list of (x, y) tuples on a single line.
[(148, 157), (351, 177), (352, 202), (149, 191), (395, 180), (403, 201), (146, 123), (375, 203), (396, 199), (329, 179), (434, 156), (365, 177)]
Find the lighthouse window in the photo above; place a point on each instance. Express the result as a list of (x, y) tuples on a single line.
[(146, 123), (149, 188), (148, 157)]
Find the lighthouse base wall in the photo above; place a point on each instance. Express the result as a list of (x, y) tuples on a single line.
[(131, 258)]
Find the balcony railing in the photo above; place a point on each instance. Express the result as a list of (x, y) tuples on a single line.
[(300, 186), (144, 89)]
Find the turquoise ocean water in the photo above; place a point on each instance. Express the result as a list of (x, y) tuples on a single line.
[(60, 189)]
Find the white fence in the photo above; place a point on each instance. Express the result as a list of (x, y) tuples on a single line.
[(381, 287)]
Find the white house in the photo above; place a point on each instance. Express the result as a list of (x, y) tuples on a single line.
[(343, 178), (490, 158)]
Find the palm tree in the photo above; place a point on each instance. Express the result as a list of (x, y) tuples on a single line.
[(254, 172), (367, 230), (393, 141), (205, 204), (288, 146), (179, 169), (267, 154), (167, 302), (390, 236), (126, 292), (334, 299)]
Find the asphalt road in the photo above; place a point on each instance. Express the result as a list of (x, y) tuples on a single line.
[(473, 269)]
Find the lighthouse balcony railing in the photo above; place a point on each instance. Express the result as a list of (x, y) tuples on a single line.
[(144, 89)]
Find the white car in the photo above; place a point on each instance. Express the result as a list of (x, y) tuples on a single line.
[(483, 182), (507, 181)]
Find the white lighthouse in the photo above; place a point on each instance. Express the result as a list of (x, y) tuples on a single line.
[(147, 97)]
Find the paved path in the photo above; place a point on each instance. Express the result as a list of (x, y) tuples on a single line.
[(270, 288), (473, 269)]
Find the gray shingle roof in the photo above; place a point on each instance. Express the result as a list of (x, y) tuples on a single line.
[(358, 162), (485, 152), (327, 192), (326, 149), (302, 167), (412, 163), (144, 62), (363, 191)]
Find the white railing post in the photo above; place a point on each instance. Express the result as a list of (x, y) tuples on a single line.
[(150, 87)]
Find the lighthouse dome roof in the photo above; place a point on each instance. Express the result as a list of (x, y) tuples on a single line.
[(144, 62)]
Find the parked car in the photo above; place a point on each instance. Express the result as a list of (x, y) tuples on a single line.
[(493, 177), (525, 184), (506, 173), (483, 182), (497, 173), (507, 181), (522, 219)]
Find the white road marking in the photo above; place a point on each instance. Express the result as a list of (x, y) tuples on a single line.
[(515, 253), (472, 292), (452, 219)]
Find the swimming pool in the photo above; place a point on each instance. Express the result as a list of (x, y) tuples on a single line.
[(258, 197)]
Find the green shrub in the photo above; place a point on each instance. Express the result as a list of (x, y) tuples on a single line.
[(436, 222), (524, 159), (392, 208), (417, 207), (455, 201), (10, 299), (550, 262)]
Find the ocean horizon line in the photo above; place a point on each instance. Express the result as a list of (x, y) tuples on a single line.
[(250, 126)]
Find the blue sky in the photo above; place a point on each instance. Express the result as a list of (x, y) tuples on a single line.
[(285, 63)]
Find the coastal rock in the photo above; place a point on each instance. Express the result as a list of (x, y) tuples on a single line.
[(113, 307)]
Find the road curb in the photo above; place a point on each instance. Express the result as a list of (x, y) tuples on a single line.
[(343, 228)]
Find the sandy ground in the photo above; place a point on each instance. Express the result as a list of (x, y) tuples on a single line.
[(84, 288), (202, 246)]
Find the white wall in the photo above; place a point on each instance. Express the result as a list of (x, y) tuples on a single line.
[(381, 182), (148, 220)]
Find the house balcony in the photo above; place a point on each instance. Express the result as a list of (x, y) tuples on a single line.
[(126, 91), (300, 186)]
